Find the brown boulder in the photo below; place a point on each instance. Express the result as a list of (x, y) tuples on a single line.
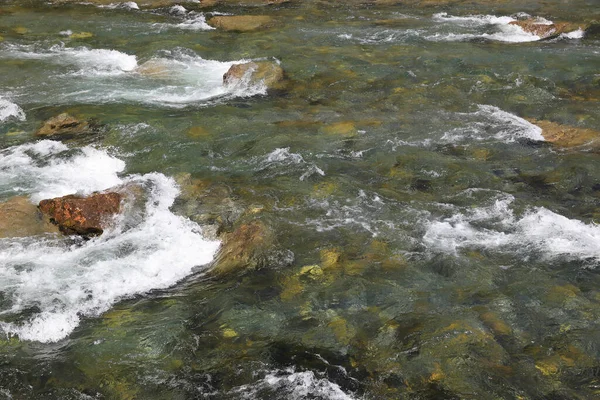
[(19, 218), (545, 31), (63, 125), (241, 23), (567, 136), (268, 73), (77, 215)]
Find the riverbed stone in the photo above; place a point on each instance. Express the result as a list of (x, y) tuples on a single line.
[(241, 23), (343, 128), (244, 248), (64, 125), (81, 35), (156, 68), (19, 218), (568, 136), (77, 215), (260, 72)]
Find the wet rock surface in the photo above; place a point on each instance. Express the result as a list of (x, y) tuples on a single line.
[(64, 126), (249, 246), (267, 73), (568, 136), (19, 218), (86, 216)]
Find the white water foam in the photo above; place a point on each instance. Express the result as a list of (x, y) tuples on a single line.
[(129, 5), (195, 21), (503, 31), (495, 227), (473, 20), (87, 61), (10, 111), (48, 169), (177, 77), (57, 282), (178, 10), (195, 80), (284, 155), (281, 158), (383, 36), (292, 385), (190, 20), (493, 123), (578, 34)]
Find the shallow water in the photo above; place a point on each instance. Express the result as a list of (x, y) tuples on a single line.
[(429, 243)]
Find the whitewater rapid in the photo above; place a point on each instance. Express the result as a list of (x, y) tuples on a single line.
[(496, 227), (10, 111), (51, 283), (173, 78)]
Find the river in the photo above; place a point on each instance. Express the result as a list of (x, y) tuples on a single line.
[(420, 236)]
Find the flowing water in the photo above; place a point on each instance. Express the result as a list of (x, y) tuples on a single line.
[(429, 244)]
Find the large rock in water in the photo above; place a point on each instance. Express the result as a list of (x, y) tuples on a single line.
[(86, 216), (20, 218), (241, 23), (243, 247), (545, 30), (267, 73), (568, 136), (64, 125)]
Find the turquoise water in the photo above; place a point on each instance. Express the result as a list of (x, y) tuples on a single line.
[(423, 240)]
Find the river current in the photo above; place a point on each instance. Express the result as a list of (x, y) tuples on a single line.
[(422, 237)]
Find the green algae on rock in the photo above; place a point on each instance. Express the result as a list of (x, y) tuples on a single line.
[(65, 125)]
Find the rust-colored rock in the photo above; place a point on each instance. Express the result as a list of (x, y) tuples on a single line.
[(20, 218), (63, 125), (568, 136), (85, 216), (545, 31), (268, 73), (241, 23)]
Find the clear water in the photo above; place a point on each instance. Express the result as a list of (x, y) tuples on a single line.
[(441, 249)]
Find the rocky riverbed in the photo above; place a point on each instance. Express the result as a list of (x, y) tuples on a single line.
[(303, 199)]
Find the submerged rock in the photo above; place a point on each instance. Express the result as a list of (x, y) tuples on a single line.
[(76, 215), (546, 30), (568, 136), (242, 247), (20, 218), (250, 246), (155, 68), (210, 204), (65, 125), (241, 23), (267, 73)]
